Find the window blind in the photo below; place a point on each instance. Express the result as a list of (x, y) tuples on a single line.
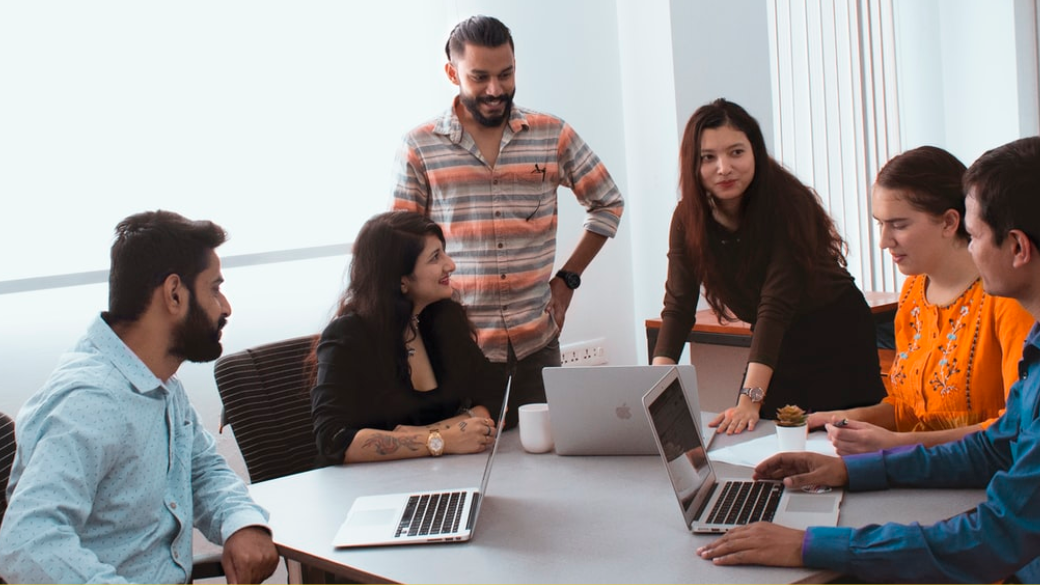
[(835, 113)]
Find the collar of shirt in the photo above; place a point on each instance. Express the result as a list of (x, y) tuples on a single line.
[(125, 360)]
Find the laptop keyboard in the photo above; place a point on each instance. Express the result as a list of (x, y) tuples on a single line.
[(744, 502), (431, 514)]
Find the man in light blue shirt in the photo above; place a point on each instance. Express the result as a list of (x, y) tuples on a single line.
[(113, 466), (1000, 538)]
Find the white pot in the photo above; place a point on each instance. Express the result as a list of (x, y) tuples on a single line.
[(791, 438)]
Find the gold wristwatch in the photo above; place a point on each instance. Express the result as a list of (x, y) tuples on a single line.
[(435, 444)]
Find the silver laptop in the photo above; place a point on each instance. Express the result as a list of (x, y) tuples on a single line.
[(713, 505), (420, 517), (594, 410)]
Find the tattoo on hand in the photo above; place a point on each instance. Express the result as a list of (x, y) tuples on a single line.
[(462, 426), (387, 444)]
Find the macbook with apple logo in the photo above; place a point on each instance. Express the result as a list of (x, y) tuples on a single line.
[(597, 410)]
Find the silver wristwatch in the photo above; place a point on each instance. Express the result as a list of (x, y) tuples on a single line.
[(756, 394)]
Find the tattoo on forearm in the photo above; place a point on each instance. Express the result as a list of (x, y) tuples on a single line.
[(389, 444)]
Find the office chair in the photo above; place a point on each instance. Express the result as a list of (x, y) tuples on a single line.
[(265, 391), (7, 449), (266, 396)]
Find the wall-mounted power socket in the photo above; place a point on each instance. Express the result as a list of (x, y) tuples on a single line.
[(584, 353)]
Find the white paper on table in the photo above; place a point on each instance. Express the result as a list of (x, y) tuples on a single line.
[(751, 453)]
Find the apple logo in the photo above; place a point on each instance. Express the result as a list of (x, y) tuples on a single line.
[(623, 412)]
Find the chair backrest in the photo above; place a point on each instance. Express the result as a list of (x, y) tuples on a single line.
[(7, 449), (266, 396)]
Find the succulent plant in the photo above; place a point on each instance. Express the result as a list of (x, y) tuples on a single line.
[(790, 416)]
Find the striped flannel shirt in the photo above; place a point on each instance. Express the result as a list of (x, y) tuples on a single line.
[(500, 222)]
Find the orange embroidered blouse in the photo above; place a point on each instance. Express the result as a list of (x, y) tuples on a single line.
[(954, 364)]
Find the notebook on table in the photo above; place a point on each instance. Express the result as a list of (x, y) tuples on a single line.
[(714, 505), (594, 410), (431, 516)]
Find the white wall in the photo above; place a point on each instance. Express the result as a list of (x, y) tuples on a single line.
[(279, 121), (983, 57)]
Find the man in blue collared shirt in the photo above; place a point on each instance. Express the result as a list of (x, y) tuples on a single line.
[(113, 466), (1001, 536)]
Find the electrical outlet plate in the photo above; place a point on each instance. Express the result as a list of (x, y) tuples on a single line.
[(584, 353)]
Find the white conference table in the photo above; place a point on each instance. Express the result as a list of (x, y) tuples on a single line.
[(548, 519)]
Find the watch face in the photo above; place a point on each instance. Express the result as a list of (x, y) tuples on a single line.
[(436, 444), (571, 279), (755, 394)]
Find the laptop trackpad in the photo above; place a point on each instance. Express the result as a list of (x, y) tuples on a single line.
[(814, 504), (376, 517)]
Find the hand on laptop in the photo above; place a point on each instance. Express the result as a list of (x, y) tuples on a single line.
[(761, 543), (803, 468)]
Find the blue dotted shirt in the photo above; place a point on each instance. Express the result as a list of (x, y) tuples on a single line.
[(113, 469)]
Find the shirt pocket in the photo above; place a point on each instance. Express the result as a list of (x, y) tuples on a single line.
[(532, 189)]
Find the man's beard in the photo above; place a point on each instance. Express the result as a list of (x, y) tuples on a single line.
[(473, 105), (197, 339)]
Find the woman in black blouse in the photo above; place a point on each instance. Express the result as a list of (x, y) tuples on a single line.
[(765, 251), (398, 372)]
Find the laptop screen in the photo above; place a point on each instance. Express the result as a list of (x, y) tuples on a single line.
[(681, 446)]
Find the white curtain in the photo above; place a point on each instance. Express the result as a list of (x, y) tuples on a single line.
[(835, 112)]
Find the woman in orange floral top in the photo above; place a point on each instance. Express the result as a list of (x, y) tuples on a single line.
[(957, 348)]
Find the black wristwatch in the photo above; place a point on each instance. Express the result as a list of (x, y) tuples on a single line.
[(571, 279)]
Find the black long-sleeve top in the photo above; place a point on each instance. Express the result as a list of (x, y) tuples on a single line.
[(358, 386)]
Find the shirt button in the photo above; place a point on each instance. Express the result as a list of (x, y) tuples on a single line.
[(503, 277), (498, 214), (504, 307), (500, 245), (494, 182), (173, 505)]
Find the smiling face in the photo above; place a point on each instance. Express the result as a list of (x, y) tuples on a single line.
[(727, 164), (486, 82), (431, 280), (918, 241)]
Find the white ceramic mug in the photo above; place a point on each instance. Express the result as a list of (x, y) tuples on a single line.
[(535, 431)]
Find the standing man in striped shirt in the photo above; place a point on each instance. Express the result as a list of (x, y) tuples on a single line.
[(487, 171)]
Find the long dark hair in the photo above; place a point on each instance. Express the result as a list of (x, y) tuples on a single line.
[(775, 200), (930, 179), (386, 249)]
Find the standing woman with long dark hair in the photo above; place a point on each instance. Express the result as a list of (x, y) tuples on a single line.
[(766, 252), (399, 373)]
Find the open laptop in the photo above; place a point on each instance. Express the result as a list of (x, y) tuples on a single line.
[(594, 410), (714, 505), (419, 517)]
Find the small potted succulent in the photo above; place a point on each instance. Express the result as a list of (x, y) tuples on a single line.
[(791, 428)]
